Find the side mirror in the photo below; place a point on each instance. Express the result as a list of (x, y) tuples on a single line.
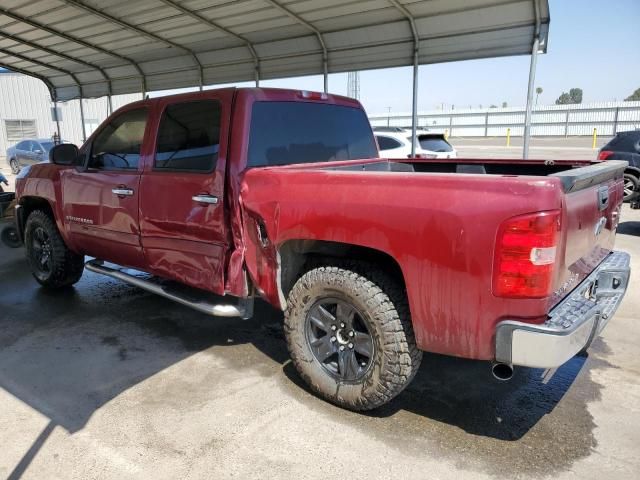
[(64, 154), (38, 152)]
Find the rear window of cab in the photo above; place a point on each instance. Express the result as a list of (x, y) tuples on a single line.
[(284, 133)]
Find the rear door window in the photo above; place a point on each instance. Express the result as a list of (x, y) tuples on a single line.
[(189, 137), (387, 143), (434, 144), (284, 133)]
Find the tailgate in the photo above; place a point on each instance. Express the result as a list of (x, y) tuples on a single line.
[(591, 211)]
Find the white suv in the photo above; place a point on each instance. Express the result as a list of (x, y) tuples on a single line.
[(398, 144)]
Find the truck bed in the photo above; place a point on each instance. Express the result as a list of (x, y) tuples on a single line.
[(441, 227)]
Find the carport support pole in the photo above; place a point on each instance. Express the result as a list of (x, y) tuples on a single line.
[(109, 105), (414, 103), (55, 117), (527, 116), (325, 74), (84, 129)]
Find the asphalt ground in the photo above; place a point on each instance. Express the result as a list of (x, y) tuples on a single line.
[(106, 381), (546, 148)]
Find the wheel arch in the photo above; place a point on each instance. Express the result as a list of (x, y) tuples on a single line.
[(28, 205), (631, 170), (298, 256)]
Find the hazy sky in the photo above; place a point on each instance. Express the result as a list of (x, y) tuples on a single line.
[(593, 44)]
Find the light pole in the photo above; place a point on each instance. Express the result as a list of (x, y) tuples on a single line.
[(388, 115)]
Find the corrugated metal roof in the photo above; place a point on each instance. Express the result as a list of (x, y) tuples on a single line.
[(92, 48)]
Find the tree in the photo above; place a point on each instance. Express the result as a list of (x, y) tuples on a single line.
[(574, 96), (493, 106), (538, 92), (634, 97), (504, 104)]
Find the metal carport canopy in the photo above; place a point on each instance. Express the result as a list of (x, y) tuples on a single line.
[(92, 48)]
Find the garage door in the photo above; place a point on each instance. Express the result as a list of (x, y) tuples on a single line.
[(17, 130)]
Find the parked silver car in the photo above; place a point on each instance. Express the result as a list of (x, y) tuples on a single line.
[(29, 151)]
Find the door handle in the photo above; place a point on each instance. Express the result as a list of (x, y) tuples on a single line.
[(122, 191), (210, 199)]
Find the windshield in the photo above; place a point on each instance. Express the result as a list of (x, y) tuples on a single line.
[(284, 133)]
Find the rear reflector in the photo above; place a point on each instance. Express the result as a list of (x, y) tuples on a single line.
[(526, 250), (605, 154)]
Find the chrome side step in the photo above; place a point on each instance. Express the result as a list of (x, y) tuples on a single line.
[(244, 308)]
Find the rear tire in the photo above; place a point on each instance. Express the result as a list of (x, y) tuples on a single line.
[(631, 183), (350, 336), (53, 265), (15, 167)]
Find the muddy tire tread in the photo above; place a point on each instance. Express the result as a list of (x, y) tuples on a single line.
[(67, 265), (387, 304)]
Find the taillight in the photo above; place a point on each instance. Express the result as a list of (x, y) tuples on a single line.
[(605, 154), (525, 255)]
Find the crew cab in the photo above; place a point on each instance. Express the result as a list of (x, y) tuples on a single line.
[(226, 195)]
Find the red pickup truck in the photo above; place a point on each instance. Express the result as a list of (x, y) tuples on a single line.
[(280, 194)]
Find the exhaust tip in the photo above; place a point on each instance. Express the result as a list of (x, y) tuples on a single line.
[(502, 371)]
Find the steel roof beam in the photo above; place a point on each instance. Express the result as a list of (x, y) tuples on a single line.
[(318, 33), (49, 85), (140, 31), (211, 23), (45, 65), (55, 103), (53, 52), (36, 46), (70, 38)]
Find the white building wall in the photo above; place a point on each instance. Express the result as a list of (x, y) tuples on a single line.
[(27, 98)]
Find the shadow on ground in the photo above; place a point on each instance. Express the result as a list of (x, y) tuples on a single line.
[(68, 353)]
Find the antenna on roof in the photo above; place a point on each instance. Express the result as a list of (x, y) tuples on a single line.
[(353, 85)]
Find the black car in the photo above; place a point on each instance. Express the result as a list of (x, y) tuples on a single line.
[(625, 146)]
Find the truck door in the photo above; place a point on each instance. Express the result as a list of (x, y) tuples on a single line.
[(182, 219), (101, 202)]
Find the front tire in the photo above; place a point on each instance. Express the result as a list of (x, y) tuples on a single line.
[(350, 337), (53, 265), (630, 187)]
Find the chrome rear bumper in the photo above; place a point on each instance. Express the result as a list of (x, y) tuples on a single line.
[(572, 324)]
